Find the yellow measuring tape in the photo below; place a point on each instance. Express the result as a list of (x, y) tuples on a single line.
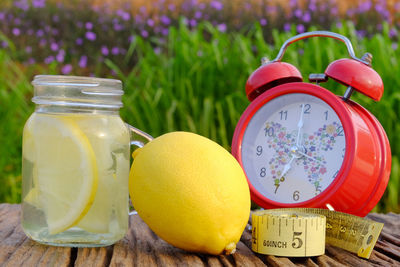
[(302, 232)]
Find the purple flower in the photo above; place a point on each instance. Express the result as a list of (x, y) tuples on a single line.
[(271, 9), (60, 56), (79, 41), (79, 24), (138, 19), (17, 21), (193, 23), (392, 33), (150, 22), (131, 38), (115, 50), (379, 8), (28, 49), (54, 46), (144, 33), (2, 15), (286, 27), (298, 13), (142, 9), (323, 7), (56, 18), (49, 59), (88, 25), (16, 31), (307, 17), (171, 7), (38, 3), (202, 6), (165, 20), (312, 7), (66, 69), (263, 22), (29, 31), (123, 15), (221, 27), (91, 36), (216, 5), (395, 46), (300, 28), (42, 42), (198, 14), (104, 50), (164, 31), (350, 12), (22, 4), (83, 61), (157, 50), (118, 27), (292, 3), (31, 61), (364, 6), (361, 33), (4, 44), (39, 33)]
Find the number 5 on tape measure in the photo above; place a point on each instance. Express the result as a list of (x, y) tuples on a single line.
[(288, 234), (301, 232)]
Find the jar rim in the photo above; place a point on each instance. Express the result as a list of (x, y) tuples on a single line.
[(51, 80), (82, 91)]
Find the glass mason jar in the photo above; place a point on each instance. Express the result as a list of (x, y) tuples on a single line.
[(75, 166)]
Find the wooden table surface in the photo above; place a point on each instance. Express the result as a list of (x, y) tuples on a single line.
[(141, 247)]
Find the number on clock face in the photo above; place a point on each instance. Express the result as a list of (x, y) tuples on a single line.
[(293, 148)]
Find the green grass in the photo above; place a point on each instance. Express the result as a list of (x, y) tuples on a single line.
[(197, 84)]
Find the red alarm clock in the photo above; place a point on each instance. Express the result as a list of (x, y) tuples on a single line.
[(302, 146)]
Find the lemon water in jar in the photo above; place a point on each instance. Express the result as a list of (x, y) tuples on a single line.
[(75, 168)]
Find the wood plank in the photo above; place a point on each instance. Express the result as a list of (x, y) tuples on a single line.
[(16, 249), (141, 247)]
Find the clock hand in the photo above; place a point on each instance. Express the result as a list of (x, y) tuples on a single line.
[(307, 156), (287, 167), (300, 126), (297, 151)]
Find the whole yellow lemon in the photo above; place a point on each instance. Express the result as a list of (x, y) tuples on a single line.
[(191, 192)]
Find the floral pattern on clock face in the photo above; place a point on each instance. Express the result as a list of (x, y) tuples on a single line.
[(293, 148), (323, 139)]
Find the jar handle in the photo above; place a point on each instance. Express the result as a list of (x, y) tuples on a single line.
[(139, 139)]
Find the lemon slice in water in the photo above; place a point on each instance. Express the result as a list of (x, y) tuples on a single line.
[(109, 138), (66, 171)]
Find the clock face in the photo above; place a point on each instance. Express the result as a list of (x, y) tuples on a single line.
[(293, 148)]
